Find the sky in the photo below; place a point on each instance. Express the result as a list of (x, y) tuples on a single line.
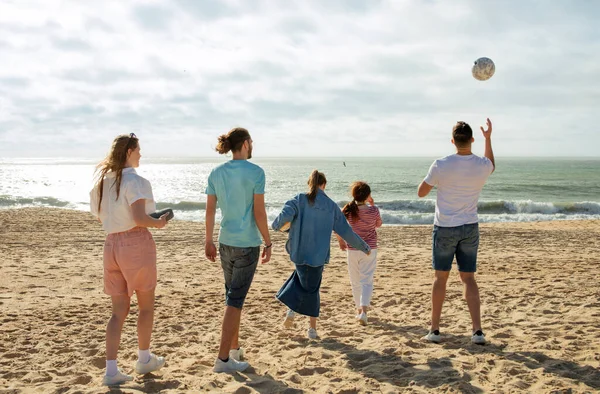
[(334, 78)]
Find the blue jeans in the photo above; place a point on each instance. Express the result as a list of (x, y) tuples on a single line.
[(461, 241), (239, 265)]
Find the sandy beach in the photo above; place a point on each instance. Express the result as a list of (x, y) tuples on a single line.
[(539, 283)]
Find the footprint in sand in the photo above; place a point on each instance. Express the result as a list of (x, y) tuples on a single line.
[(312, 371)]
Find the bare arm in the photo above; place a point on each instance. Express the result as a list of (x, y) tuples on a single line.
[(210, 249), (260, 216), (341, 241), (424, 189), (141, 218), (487, 134)]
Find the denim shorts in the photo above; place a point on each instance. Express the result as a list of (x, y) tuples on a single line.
[(239, 265), (462, 241)]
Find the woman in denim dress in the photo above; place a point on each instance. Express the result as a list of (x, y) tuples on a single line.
[(312, 217)]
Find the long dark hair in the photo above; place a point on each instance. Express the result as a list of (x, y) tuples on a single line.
[(360, 192), (115, 162), (315, 180), (232, 141)]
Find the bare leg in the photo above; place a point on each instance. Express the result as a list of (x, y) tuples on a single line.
[(472, 297), (235, 341), (231, 325), (313, 322), (438, 294), (145, 318), (120, 310)]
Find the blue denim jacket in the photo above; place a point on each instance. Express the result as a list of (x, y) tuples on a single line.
[(311, 227)]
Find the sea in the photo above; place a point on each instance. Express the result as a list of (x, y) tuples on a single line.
[(520, 190)]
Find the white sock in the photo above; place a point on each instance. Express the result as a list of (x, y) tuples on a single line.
[(111, 367), (144, 356)]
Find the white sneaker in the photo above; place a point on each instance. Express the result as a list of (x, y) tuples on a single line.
[(117, 379), (237, 354), (362, 319), (154, 364), (478, 338), (312, 333), (289, 319), (232, 365), (433, 336)]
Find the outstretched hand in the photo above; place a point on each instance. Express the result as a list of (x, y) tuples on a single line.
[(487, 133)]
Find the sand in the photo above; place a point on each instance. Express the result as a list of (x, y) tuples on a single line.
[(540, 289)]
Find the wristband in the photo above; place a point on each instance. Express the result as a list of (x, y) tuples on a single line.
[(269, 245)]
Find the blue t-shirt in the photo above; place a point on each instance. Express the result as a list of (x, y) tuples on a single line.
[(235, 183)]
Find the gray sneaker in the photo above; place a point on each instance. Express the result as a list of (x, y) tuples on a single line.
[(232, 365), (116, 379), (289, 319), (312, 333), (154, 364), (362, 319)]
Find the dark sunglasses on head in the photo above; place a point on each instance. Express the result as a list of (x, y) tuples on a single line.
[(132, 137)]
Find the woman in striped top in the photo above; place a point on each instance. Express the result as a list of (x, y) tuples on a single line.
[(364, 219)]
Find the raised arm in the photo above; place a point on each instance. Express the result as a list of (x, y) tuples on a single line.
[(210, 250), (260, 216), (487, 134)]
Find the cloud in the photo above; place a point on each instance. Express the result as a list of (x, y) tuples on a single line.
[(307, 78), (152, 17)]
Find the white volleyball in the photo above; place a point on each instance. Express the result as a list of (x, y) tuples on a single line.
[(483, 69)]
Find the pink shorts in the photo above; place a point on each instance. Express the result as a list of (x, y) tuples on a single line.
[(129, 262)]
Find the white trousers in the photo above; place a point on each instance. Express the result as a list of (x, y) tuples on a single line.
[(361, 268)]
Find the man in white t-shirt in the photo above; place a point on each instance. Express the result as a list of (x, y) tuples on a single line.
[(459, 179)]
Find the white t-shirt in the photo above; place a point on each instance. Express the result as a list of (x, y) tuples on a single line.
[(116, 214), (459, 180)]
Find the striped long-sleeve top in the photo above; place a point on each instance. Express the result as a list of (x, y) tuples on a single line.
[(369, 219)]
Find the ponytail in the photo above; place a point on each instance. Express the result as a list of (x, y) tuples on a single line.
[(360, 192), (232, 141), (223, 144), (351, 210), (315, 180)]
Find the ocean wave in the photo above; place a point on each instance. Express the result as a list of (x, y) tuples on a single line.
[(15, 202), (182, 205), (499, 207), (393, 212), (536, 207)]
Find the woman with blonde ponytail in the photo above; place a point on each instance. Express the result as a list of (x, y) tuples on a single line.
[(311, 218), (122, 202), (364, 217)]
